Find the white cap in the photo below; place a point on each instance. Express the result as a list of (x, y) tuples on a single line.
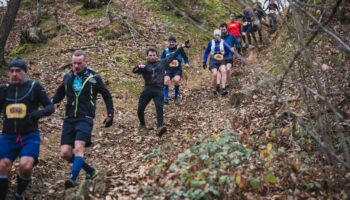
[(217, 32)]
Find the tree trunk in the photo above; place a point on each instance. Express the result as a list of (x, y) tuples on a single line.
[(33, 35), (6, 25), (38, 13)]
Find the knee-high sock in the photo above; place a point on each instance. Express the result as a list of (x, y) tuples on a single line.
[(166, 91), (4, 186), (86, 167), (22, 184), (177, 90), (76, 167)]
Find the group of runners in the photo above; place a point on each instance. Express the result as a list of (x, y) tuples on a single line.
[(21, 100), (24, 102), (230, 38)]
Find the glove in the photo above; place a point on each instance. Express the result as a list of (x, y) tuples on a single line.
[(204, 66), (187, 44), (108, 121), (35, 115)]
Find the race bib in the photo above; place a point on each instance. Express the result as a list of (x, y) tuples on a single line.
[(218, 57), (256, 22), (14, 111), (174, 63), (272, 12), (245, 23)]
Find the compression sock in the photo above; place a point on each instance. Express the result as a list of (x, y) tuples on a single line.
[(76, 167), (22, 184), (166, 91), (87, 168), (177, 90), (4, 186)]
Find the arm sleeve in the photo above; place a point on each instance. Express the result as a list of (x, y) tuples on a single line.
[(239, 16), (44, 100), (106, 95), (137, 70), (166, 61), (60, 93), (2, 96), (235, 41), (227, 48), (184, 56), (163, 55), (206, 53)]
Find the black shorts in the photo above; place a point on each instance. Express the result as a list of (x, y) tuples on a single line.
[(173, 73), (215, 64), (248, 28), (229, 60), (77, 129)]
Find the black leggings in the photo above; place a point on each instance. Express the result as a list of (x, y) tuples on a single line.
[(149, 93)]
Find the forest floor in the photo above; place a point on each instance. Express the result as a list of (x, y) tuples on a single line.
[(123, 153)]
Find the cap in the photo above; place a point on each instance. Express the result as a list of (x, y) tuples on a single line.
[(217, 32), (18, 62), (172, 38)]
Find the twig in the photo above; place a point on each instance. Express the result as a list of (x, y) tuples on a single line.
[(290, 65), (318, 140), (337, 38)]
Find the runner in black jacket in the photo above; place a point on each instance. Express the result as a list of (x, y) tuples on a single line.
[(80, 86), (153, 74), (19, 102)]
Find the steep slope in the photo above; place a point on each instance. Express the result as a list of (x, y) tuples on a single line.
[(137, 164)]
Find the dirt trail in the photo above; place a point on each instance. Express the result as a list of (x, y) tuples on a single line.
[(121, 151)]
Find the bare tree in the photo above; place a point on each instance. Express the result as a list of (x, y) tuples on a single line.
[(38, 13), (6, 26)]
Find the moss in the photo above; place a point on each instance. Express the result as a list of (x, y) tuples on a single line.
[(209, 12), (98, 12), (154, 4), (45, 17), (103, 32), (20, 50)]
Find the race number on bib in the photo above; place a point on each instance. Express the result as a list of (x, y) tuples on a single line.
[(218, 57), (174, 63), (272, 12), (18, 110)]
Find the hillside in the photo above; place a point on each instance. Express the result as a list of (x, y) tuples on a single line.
[(249, 145)]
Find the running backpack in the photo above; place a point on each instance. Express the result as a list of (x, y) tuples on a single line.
[(213, 45)]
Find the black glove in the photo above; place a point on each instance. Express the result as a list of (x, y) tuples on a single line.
[(204, 66), (187, 44), (35, 115), (108, 121)]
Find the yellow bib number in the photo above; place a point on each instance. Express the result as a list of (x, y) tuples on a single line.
[(218, 57), (174, 63), (18, 110)]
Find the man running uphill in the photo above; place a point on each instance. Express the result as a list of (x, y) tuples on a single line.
[(153, 74), (219, 53), (19, 102), (173, 70), (80, 86)]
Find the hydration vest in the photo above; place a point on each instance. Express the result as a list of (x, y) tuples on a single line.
[(213, 45)]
